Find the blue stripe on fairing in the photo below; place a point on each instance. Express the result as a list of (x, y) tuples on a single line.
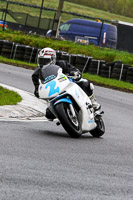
[(63, 100), (91, 121)]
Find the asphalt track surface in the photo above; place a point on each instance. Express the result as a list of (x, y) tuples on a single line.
[(38, 160)]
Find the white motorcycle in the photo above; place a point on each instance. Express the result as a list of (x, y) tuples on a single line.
[(69, 103)]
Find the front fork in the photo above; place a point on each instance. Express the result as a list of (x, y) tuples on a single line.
[(72, 110)]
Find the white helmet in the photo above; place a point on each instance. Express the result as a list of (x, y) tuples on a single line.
[(46, 56)]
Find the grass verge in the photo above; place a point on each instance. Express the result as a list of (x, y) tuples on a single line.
[(109, 55), (109, 83), (17, 63), (8, 97)]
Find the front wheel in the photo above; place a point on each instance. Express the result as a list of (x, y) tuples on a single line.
[(99, 130), (71, 124)]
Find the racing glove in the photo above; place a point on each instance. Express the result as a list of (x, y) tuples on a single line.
[(75, 75)]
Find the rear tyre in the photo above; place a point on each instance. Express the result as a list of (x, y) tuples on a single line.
[(71, 124), (99, 130)]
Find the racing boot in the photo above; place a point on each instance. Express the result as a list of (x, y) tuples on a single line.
[(96, 106), (49, 115)]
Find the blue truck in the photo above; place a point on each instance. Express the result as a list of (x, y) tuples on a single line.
[(91, 32)]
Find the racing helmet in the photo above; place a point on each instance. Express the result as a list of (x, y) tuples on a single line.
[(46, 56)]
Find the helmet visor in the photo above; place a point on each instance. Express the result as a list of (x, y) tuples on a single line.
[(43, 61)]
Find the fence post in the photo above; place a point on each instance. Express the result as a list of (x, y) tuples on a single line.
[(121, 72), (58, 18), (40, 13), (2, 15), (98, 67), (53, 22), (26, 21), (5, 16), (100, 34)]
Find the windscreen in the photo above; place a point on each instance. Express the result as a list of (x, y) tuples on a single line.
[(48, 73), (64, 27)]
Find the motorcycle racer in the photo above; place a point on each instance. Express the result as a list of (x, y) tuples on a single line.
[(47, 56)]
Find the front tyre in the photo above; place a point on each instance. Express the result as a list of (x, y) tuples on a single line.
[(99, 130), (71, 124)]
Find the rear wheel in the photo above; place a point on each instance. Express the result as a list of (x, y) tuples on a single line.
[(99, 130), (71, 124)]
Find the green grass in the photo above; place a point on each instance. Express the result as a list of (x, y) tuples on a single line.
[(99, 53), (8, 97), (96, 52), (17, 63), (109, 83), (71, 7)]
